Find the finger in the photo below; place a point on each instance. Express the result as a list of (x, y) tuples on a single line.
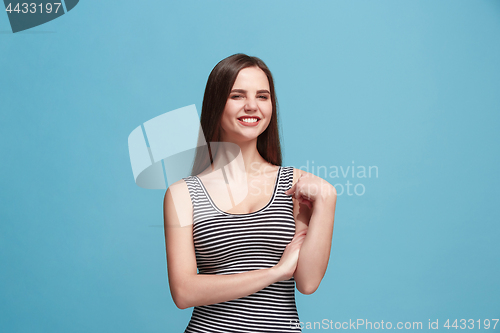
[(302, 235), (300, 239), (305, 202), (301, 231), (297, 195), (299, 236), (297, 241), (291, 189), (296, 238), (297, 245), (303, 195)]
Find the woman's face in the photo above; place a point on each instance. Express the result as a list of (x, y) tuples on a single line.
[(248, 108)]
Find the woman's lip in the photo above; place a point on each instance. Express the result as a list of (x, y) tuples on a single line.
[(248, 124)]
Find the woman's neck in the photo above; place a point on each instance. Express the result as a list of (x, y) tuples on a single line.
[(236, 159)]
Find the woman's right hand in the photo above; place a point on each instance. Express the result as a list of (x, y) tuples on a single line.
[(288, 262)]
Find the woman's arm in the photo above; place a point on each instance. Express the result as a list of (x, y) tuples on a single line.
[(188, 288), (314, 212)]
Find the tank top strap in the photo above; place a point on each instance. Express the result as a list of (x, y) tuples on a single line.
[(199, 199), (194, 190), (284, 182)]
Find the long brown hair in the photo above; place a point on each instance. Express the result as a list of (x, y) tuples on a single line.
[(219, 85)]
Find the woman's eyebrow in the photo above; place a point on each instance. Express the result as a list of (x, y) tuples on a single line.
[(241, 91)]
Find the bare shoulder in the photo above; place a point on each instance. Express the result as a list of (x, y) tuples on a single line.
[(177, 205), (297, 173), (179, 190), (325, 186)]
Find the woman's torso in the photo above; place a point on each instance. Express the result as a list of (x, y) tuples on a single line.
[(228, 243)]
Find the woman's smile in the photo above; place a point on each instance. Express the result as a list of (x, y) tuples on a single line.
[(249, 121)]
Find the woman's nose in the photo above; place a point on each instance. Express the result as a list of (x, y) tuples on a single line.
[(251, 104)]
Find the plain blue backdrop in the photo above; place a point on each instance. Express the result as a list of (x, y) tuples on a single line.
[(411, 87)]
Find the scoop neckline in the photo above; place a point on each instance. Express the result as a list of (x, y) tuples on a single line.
[(243, 214)]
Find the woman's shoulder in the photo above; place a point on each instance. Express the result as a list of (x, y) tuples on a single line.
[(297, 173), (300, 172), (178, 207), (180, 189), (180, 183)]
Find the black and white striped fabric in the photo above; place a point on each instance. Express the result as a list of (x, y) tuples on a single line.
[(235, 243)]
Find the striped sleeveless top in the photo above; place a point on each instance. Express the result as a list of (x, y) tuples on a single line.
[(228, 243)]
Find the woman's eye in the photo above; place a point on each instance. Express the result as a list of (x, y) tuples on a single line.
[(264, 97), (235, 96)]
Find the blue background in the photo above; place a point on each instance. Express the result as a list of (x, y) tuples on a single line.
[(411, 87)]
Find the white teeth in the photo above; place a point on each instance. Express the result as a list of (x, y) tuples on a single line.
[(249, 120)]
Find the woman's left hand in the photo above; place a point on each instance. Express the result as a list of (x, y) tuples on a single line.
[(310, 189)]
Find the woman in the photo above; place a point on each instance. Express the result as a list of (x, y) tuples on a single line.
[(251, 247)]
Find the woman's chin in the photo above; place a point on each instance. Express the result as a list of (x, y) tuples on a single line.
[(241, 138)]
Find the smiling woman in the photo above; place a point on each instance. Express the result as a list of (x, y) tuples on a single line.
[(249, 104), (236, 256)]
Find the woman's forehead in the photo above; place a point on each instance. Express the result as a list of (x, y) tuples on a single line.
[(251, 78)]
